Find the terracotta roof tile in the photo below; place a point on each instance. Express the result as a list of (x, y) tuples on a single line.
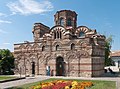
[(116, 53)]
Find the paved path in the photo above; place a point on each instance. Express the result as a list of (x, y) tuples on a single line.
[(22, 81), (40, 78)]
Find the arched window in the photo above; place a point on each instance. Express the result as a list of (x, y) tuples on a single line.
[(81, 34), (43, 48), (60, 35), (57, 34), (69, 22), (62, 21), (72, 46), (54, 34), (57, 47)]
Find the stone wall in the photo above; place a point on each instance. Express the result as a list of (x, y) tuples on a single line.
[(81, 55)]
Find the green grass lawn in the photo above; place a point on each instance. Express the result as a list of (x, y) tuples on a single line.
[(97, 84), (6, 77)]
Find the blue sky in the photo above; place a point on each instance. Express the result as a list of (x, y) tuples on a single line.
[(18, 16)]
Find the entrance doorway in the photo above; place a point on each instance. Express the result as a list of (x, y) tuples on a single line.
[(33, 68), (60, 66)]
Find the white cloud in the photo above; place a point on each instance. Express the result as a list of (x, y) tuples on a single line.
[(27, 7), (13, 13), (2, 31), (2, 14), (4, 21)]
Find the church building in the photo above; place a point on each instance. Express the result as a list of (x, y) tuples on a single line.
[(64, 49)]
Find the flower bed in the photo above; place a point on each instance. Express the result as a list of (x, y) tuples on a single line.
[(63, 84)]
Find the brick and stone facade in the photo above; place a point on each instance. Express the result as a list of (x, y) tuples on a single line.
[(68, 49)]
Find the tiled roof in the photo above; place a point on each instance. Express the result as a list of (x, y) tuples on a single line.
[(116, 53)]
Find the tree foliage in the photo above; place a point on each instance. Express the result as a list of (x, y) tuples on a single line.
[(108, 44), (6, 62)]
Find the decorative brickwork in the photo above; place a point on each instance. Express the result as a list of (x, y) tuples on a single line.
[(68, 50)]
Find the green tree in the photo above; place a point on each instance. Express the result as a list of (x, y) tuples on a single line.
[(6, 62), (108, 44)]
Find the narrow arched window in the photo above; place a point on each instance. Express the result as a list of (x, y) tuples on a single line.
[(54, 34), (60, 35), (72, 46), (69, 22), (62, 21), (57, 47), (43, 48), (81, 34), (57, 34)]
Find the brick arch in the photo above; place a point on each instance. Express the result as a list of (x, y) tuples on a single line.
[(40, 58), (22, 56), (57, 30), (71, 42), (70, 55), (40, 55), (62, 17), (57, 43), (47, 58), (22, 46), (83, 43), (59, 54), (36, 45), (33, 58), (28, 46), (82, 29), (42, 44), (47, 35), (82, 54), (97, 36)]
